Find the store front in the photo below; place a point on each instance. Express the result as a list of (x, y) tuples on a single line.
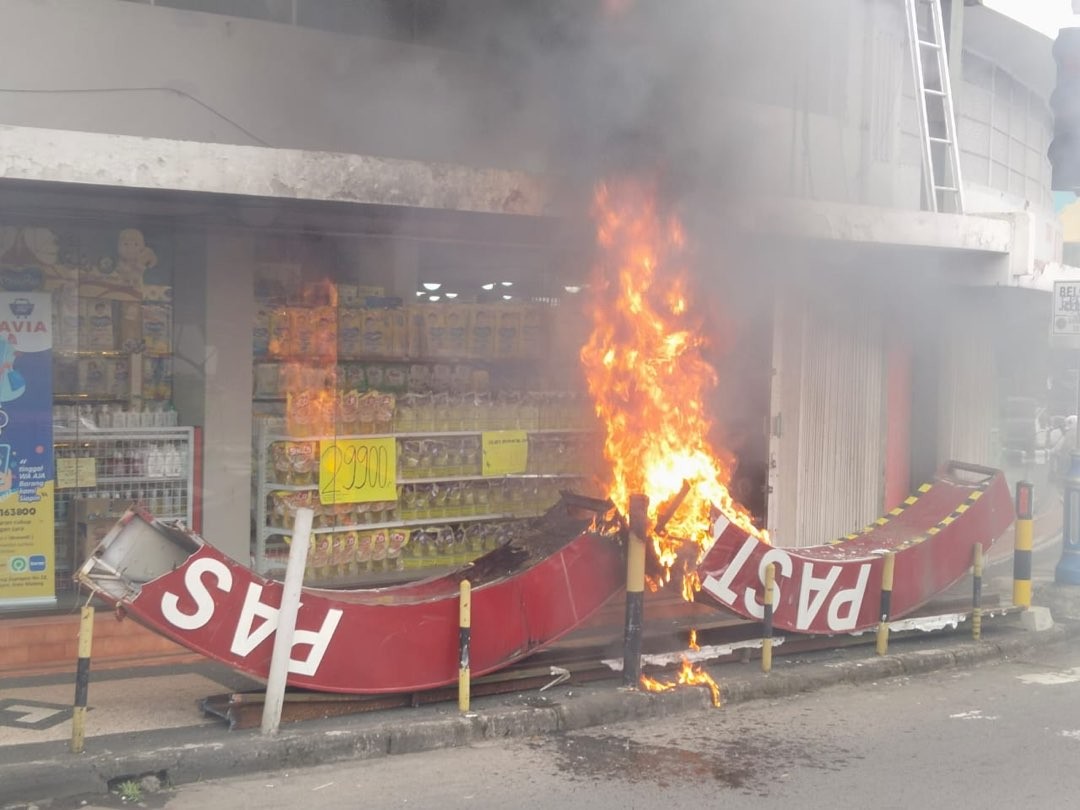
[(409, 378)]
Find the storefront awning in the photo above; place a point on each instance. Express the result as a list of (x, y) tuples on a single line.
[(160, 164)]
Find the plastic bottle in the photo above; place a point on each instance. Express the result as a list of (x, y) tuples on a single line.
[(172, 462), (155, 462)]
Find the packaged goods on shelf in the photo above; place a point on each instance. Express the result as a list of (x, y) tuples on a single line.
[(157, 378), (157, 328), (130, 328), (508, 333), (97, 324)]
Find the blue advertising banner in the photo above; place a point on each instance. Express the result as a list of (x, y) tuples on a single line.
[(27, 545)]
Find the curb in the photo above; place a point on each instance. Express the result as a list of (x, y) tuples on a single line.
[(67, 775)]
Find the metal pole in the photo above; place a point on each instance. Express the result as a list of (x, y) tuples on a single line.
[(1067, 571), (1022, 544), (82, 679), (635, 590), (464, 634), (886, 602), (767, 620), (976, 593), (286, 624)]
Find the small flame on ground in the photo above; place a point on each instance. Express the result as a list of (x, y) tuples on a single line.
[(688, 675), (693, 643)]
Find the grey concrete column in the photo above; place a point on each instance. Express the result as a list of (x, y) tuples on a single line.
[(214, 308)]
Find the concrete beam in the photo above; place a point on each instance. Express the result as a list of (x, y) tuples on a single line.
[(125, 161), (130, 162), (842, 222)]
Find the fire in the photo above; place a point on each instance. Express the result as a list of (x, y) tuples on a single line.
[(689, 675), (647, 376)]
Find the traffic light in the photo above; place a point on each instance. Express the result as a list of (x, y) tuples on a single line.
[(1064, 152)]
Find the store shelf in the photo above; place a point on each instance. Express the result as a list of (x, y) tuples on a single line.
[(76, 398), (372, 579), (272, 531), (427, 434), (141, 479), (386, 358), (439, 479)]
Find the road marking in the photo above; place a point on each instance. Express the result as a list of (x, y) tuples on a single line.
[(1052, 678), (32, 714), (974, 714)]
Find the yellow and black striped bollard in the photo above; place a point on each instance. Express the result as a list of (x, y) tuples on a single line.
[(976, 593), (1023, 543), (82, 679), (464, 639), (886, 602), (635, 590), (767, 620)]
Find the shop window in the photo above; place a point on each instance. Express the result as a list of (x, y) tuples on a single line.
[(422, 429), (87, 427)]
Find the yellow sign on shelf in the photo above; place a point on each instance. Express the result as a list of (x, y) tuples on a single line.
[(506, 452), (357, 470), (71, 472)]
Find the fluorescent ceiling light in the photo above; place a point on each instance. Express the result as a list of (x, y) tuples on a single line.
[(431, 286), (490, 286), (451, 295), (434, 297), (572, 289)]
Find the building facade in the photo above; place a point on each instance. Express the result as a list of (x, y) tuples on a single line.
[(261, 152)]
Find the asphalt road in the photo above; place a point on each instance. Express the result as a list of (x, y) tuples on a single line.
[(998, 736)]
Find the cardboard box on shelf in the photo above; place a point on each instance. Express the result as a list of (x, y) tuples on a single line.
[(91, 519)]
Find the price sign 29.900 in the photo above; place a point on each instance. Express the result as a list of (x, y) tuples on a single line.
[(357, 470)]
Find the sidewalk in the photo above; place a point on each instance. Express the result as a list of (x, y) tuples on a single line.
[(146, 720)]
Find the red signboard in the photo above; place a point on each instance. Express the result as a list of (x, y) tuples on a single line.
[(396, 639), (836, 588)]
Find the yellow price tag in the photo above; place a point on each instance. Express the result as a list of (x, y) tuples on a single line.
[(357, 470), (506, 452)]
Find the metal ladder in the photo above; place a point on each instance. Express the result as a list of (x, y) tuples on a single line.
[(942, 190)]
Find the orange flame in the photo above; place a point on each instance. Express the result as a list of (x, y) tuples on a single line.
[(688, 675), (647, 376)]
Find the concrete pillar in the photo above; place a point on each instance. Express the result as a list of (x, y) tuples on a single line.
[(214, 308)]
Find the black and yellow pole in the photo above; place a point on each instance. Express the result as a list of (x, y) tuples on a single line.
[(1023, 542), (767, 619), (976, 593), (886, 602), (82, 679), (464, 637), (635, 590)]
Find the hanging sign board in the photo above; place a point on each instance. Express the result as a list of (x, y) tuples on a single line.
[(1065, 321), (357, 470), (506, 452), (27, 547)]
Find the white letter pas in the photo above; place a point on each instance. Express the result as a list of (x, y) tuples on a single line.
[(814, 591), (245, 639)]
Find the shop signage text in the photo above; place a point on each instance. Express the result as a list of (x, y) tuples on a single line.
[(249, 633)]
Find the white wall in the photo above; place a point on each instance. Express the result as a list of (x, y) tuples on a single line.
[(807, 98), (288, 86)]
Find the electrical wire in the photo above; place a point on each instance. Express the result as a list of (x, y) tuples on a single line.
[(182, 93)]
